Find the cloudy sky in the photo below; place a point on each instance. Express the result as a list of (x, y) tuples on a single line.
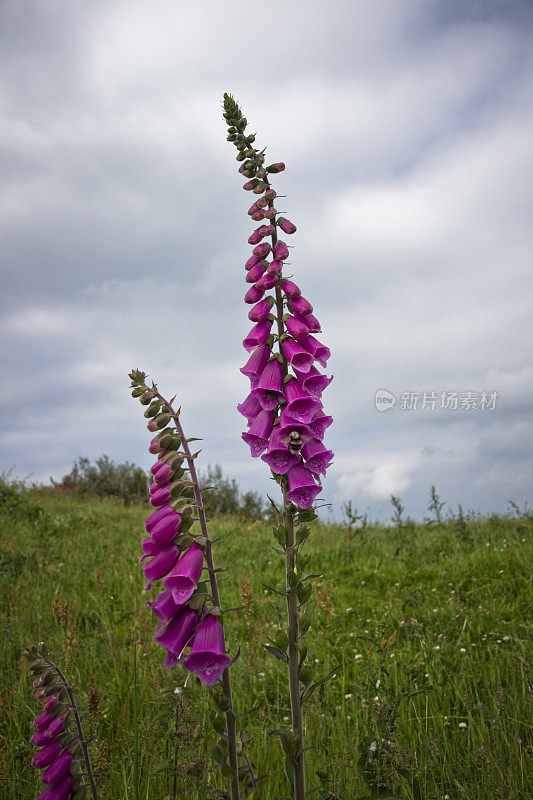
[(406, 128)]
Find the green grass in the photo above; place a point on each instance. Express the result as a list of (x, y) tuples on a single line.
[(438, 615)]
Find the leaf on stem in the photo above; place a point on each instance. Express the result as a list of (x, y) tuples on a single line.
[(308, 691), (277, 653)]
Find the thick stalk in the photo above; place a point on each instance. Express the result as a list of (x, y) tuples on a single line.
[(77, 718), (226, 680), (294, 654)]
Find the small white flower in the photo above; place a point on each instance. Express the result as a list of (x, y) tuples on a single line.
[(285, 719), (178, 690), (462, 650), (378, 683), (348, 696), (463, 726), (437, 647)]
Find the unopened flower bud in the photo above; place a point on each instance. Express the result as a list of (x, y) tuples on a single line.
[(262, 250), (255, 237), (270, 193), (266, 282), (290, 288), (152, 409), (249, 185), (255, 273), (138, 391), (257, 217), (147, 396), (252, 261), (170, 442), (253, 294), (286, 225), (281, 251), (270, 213), (275, 267), (275, 168)]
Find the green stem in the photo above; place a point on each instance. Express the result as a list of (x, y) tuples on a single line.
[(135, 727), (294, 654)]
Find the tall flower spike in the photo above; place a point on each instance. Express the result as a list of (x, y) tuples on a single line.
[(65, 776), (291, 424), (182, 605)]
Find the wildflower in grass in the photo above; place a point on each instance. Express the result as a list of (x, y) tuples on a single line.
[(62, 753), (287, 419), (188, 627)]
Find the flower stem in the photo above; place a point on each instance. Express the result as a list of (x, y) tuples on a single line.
[(226, 680), (77, 718), (294, 654)]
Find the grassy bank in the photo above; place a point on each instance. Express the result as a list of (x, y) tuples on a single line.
[(427, 623)]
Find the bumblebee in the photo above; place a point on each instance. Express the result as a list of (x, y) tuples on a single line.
[(295, 442)]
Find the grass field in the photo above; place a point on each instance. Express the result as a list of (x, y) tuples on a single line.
[(437, 615)]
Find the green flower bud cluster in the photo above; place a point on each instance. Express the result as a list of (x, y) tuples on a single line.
[(253, 160), (166, 445)]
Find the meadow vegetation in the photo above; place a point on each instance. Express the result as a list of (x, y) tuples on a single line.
[(428, 623)]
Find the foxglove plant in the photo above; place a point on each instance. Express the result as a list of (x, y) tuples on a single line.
[(63, 752), (187, 607), (285, 418)]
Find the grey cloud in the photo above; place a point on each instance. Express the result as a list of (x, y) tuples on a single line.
[(405, 129)]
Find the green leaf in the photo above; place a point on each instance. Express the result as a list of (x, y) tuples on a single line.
[(304, 624), (308, 691), (288, 742), (281, 639), (304, 593), (275, 651), (276, 591)]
